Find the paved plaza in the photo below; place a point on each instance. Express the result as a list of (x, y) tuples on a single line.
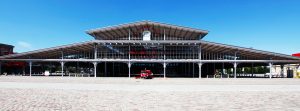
[(19, 93)]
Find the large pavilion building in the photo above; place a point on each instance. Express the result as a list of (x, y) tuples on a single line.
[(167, 50)]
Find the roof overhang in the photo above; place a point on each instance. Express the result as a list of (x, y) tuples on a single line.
[(122, 30), (206, 46)]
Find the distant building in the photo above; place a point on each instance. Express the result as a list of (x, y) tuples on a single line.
[(6, 49), (296, 55), (291, 69), (10, 66)]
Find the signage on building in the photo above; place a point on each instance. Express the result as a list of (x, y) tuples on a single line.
[(146, 35)]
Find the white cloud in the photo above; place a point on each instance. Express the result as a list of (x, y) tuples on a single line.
[(24, 45)]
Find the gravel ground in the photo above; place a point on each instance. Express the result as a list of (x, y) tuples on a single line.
[(176, 94)]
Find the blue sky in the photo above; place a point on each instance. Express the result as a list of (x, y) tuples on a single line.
[(271, 25)]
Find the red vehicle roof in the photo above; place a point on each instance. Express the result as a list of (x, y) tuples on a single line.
[(297, 54)]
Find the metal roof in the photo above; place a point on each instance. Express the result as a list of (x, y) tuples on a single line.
[(223, 48), (118, 31), (206, 46), (53, 50)]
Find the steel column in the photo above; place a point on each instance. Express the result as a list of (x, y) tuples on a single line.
[(281, 70), (95, 57), (77, 69), (270, 65), (62, 63), (164, 51), (252, 72), (105, 69), (200, 69), (200, 53), (288, 68), (235, 56), (129, 57), (164, 65), (95, 68), (164, 34), (62, 68), (235, 66), (200, 59), (223, 70), (129, 49), (30, 68), (95, 51), (129, 69), (129, 35)]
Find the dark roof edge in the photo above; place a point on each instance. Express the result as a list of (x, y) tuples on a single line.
[(7, 45)]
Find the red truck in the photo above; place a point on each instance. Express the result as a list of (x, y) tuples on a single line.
[(145, 74)]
